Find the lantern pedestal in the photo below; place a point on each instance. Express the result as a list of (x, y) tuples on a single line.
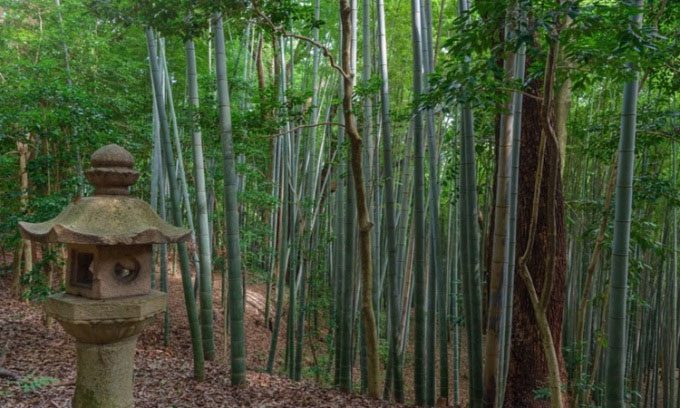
[(105, 374), (106, 334)]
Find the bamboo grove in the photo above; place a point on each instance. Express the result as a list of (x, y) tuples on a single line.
[(444, 202)]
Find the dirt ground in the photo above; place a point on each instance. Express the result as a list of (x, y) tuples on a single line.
[(44, 358)]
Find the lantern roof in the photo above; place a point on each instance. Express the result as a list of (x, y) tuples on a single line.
[(111, 216)]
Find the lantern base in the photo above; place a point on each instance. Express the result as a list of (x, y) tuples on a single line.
[(105, 374), (106, 334)]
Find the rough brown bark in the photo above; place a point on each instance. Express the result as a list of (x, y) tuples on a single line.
[(10, 375), (527, 368), (5, 373), (27, 251)]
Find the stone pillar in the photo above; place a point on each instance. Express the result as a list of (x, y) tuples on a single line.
[(105, 374), (106, 333)]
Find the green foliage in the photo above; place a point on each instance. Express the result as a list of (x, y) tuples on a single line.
[(58, 120), (109, 100), (595, 43), (322, 371), (286, 12), (383, 349), (605, 49), (34, 383), (35, 284), (368, 88), (542, 394)]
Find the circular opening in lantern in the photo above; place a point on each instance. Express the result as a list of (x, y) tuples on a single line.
[(126, 270)]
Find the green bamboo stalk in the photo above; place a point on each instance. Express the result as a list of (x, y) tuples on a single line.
[(339, 264), (616, 319), (436, 288), (236, 325), (197, 346), (282, 263), (346, 280), (159, 181), (469, 249), (397, 383), (672, 361), (179, 172), (204, 248), (500, 251), (291, 145), (156, 170), (452, 264), (518, 98), (420, 279)]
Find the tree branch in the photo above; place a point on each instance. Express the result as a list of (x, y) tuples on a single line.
[(281, 31), (307, 126), (5, 373), (11, 375)]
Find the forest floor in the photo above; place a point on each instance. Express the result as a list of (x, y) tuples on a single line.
[(44, 358)]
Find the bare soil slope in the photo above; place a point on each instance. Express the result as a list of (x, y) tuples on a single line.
[(163, 375)]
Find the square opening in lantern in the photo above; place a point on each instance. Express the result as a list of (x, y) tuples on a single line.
[(81, 271)]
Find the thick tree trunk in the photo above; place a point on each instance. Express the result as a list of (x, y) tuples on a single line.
[(528, 374)]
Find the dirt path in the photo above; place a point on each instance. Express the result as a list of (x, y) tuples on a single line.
[(45, 359)]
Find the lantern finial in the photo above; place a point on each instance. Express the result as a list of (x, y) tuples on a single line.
[(112, 172)]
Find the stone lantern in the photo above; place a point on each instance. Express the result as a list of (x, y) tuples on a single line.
[(108, 298)]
